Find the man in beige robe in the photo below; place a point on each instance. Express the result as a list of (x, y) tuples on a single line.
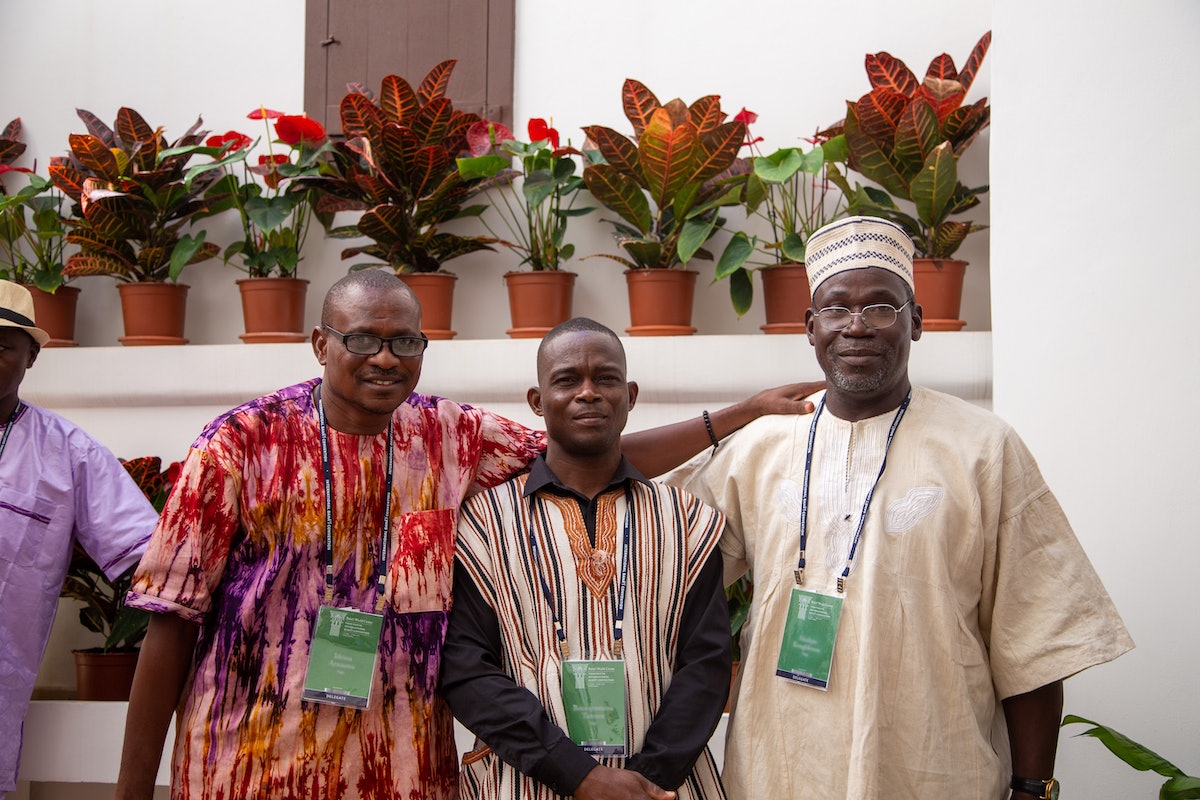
[(965, 597)]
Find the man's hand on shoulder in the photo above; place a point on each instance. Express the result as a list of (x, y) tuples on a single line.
[(787, 399), (606, 783)]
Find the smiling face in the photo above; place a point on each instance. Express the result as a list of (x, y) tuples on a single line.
[(582, 394), (361, 392), (866, 368)]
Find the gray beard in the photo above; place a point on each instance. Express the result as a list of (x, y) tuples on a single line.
[(857, 383)]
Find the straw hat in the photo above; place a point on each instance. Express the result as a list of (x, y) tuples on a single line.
[(16, 311)]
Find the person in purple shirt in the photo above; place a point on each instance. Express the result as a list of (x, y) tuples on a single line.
[(58, 485)]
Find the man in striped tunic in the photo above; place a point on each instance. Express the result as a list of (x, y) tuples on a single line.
[(584, 571)]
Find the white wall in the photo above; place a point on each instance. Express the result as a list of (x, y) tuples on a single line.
[(1094, 267), (572, 58)]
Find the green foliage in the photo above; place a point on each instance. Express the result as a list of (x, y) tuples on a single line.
[(535, 211), (398, 163), (1179, 786), (134, 196), (907, 136), (104, 609), (789, 190), (664, 183), (739, 594), (32, 235)]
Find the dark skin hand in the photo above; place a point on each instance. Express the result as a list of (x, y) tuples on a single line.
[(660, 449), (1033, 721), (607, 783)]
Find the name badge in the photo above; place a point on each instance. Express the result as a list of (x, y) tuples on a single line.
[(806, 653), (341, 662), (593, 694)]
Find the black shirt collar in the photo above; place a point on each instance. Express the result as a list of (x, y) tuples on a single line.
[(542, 477)]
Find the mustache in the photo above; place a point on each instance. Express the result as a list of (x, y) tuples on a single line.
[(384, 374)]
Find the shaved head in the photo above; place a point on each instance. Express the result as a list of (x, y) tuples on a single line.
[(574, 325), (369, 281)]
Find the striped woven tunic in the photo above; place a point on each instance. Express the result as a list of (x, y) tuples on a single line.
[(672, 536)]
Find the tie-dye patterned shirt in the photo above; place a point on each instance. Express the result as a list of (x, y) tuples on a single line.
[(241, 551)]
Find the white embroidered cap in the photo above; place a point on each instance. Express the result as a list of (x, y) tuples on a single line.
[(858, 243)]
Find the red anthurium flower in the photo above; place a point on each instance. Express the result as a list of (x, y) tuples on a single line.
[(294, 129), (540, 130), (746, 116), (267, 167), (262, 112), (234, 140), (483, 135)]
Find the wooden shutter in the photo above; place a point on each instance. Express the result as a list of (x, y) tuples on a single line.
[(361, 41)]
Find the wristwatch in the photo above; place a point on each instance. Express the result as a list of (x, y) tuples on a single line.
[(1044, 790)]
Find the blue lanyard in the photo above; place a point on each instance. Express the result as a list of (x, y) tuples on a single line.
[(11, 422), (619, 598), (862, 516), (327, 468)]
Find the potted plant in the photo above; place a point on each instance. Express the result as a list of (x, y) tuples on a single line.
[(535, 212), (275, 215), (907, 135), (134, 195), (789, 191), (398, 163), (106, 672), (32, 241), (663, 185)]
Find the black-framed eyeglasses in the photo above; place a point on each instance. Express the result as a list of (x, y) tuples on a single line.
[(874, 316), (366, 344)]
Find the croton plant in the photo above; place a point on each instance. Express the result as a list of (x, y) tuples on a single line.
[(663, 183), (907, 135), (135, 195), (398, 163)]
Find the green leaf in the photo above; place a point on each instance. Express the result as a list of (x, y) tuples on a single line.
[(1184, 787), (187, 248), (128, 628), (268, 213), (793, 248), (780, 165), (1124, 748), (741, 291), (620, 194), (692, 237), (482, 166), (934, 186), (736, 253)]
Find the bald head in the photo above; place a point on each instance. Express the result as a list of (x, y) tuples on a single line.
[(368, 281)]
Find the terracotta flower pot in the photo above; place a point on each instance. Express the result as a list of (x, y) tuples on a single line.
[(104, 676), (660, 301), (273, 309), (55, 314), (785, 298), (537, 301), (435, 292), (939, 291), (153, 313)]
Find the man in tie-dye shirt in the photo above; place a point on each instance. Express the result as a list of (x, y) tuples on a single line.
[(236, 569)]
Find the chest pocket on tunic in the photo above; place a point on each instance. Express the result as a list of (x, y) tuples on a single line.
[(25, 521), (422, 565)]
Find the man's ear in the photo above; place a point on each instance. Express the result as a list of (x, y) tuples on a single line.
[(918, 316), (534, 398), (633, 393), (320, 345)]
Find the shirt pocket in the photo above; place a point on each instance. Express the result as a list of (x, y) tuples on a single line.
[(25, 520), (421, 567)]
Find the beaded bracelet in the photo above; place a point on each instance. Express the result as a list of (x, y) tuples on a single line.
[(712, 437)]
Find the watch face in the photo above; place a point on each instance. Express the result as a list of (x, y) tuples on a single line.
[(1052, 789)]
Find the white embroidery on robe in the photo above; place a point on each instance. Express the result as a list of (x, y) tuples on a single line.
[(904, 514)]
